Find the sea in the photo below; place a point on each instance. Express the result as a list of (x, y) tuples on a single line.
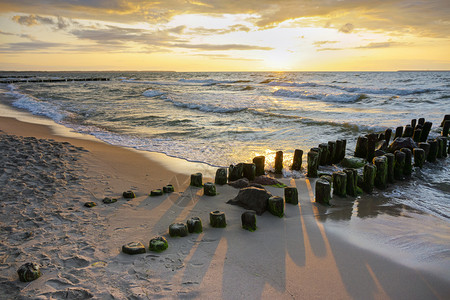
[(230, 117)]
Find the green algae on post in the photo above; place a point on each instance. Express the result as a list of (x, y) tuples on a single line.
[(158, 244), (29, 272), (194, 225), (340, 183), (313, 163), (291, 195), (248, 219), (221, 176), (382, 171), (197, 180), (419, 157), (352, 181), (209, 189), (128, 195), (323, 191), (276, 206), (168, 189), (369, 178), (133, 248), (178, 229), (399, 164), (217, 219)]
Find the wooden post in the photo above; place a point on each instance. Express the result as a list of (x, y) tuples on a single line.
[(297, 161), (197, 179), (390, 167), (421, 121), (361, 147), (407, 170), (340, 150), (291, 195), (209, 189), (440, 147), (416, 136), (409, 131), (323, 191), (249, 171), (413, 123), (331, 152), (369, 174), (387, 135), (431, 157), (444, 149), (426, 147), (425, 131), (221, 176), (235, 172), (399, 164), (217, 219), (446, 118), (313, 163), (382, 171), (259, 162), (340, 183), (398, 132), (276, 206), (194, 225), (248, 219), (352, 182), (419, 157), (446, 128), (279, 162), (324, 155), (371, 143)]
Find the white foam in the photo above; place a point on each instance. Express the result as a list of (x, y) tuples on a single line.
[(341, 97), (152, 93)]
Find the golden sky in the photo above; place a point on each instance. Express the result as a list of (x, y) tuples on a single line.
[(254, 35)]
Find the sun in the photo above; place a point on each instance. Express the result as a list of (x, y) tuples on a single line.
[(279, 60)]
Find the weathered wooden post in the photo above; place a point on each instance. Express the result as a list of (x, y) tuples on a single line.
[(297, 161), (331, 152), (413, 123), (444, 150), (390, 157), (324, 154), (446, 118), (408, 131), (425, 131), (421, 121), (133, 248), (440, 147), (419, 157), (369, 174), (249, 171), (432, 154), (416, 136), (209, 189), (158, 244), (387, 135), (398, 132), (340, 150), (446, 128), (235, 172), (276, 206), (340, 183), (352, 182), (178, 229), (194, 225), (221, 176), (407, 170), (291, 195), (197, 179), (323, 191), (426, 147), (259, 162), (279, 162), (217, 219), (30, 271), (399, 164), (361, 147), (248, 219), (313, 164), (371, 143), (382, 171)]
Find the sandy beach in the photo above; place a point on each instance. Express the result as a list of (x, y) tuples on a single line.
[(46, 177)]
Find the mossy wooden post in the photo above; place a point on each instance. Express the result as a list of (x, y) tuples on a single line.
[(279, 162), (387, 135), (317, 149), (409, 131), (416, 136), (361, 147), (419, 157), (248, 219), (352, 181), (371, 143), (340, 144), (297, 161), (446, 118), (445, 148), (178, 229), (276, 206), (431, 157), (340, 183), (323, 191), (313, 163), (382, 170), (440, 147), (390, 157), (399, 164), (197, 180), (133, 248), (29, 272), (324, 154), (407, 170), (259, 162), (369, 174), (446, 128), (217, 219), (249, 171), (291, 195), (235, 172), (209, 189), (344, 150), (413, 123), (221, 176), (426, 147), (158, 244), (331, 152), (421, 121), (425, 131), (398, 132), (194, 225)]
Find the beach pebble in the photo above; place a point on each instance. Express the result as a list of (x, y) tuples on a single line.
[(158, 244), (157, 192), (403, 142), (90, 204), (108, 200), (276, 206), (252, 198), (168, 189), (194, 225), (248, 219), (129, 194), (29, 272), (133, 248), (217, 219), (178, 229)]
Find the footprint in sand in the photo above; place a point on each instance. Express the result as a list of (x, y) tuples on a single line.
[(76, 262)]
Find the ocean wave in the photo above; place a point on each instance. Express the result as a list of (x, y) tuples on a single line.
[(152, 93), (207, 82), (320, 96), (205, 107), (292, 84), (385, 91), (150, 82)]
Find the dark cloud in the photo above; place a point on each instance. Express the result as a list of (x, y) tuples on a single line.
[(347, 28), (32, 20)]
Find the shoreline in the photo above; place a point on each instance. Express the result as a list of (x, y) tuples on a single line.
[(292, 257)]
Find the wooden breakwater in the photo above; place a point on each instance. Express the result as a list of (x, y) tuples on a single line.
[(26, 79)]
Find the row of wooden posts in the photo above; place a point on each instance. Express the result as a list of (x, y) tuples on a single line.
[(27, 79)]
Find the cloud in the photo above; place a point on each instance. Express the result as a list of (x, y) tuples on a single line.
[(214, 47), (321, 43), (381, 45), (32, 20), (28, 46), (347, 28), (214, 31)]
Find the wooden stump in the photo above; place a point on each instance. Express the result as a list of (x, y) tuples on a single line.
[(421, 121), (398, 132), (313, 163), (29, 272), (279, 162), (221, 176), (426, 147), (158, 244), (361, 147), (431, 157), (157, 192), (248, 219), (128, 195), (446, 118), (407, 170), (371, 143), (133, 248), (440, 147), (408, 132), (168, 189), (417, 134), (331, 152), (340, 183), (297, 161), (249, 171), (419, 157), (387, 135), (217, 219), (194, 225), (324, 154), (235, 172), (291, 195), (446, 128), (382, 171), (197, 179), (323, 191), (178, 229), (340, 150), (259, 162), (425, 131), (390, 167), (352, 182), (445, 148), (276, 206), (399, 164), (369, 174), (413, 123), (209, 189)]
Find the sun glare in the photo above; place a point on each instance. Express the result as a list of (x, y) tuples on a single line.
[(279, 60)]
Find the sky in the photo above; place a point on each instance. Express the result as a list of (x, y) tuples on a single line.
[(249, 35)]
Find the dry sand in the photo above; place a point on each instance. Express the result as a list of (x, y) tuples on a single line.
[(45, 183)]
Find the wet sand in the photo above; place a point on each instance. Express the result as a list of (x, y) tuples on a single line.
[(300, 256)]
